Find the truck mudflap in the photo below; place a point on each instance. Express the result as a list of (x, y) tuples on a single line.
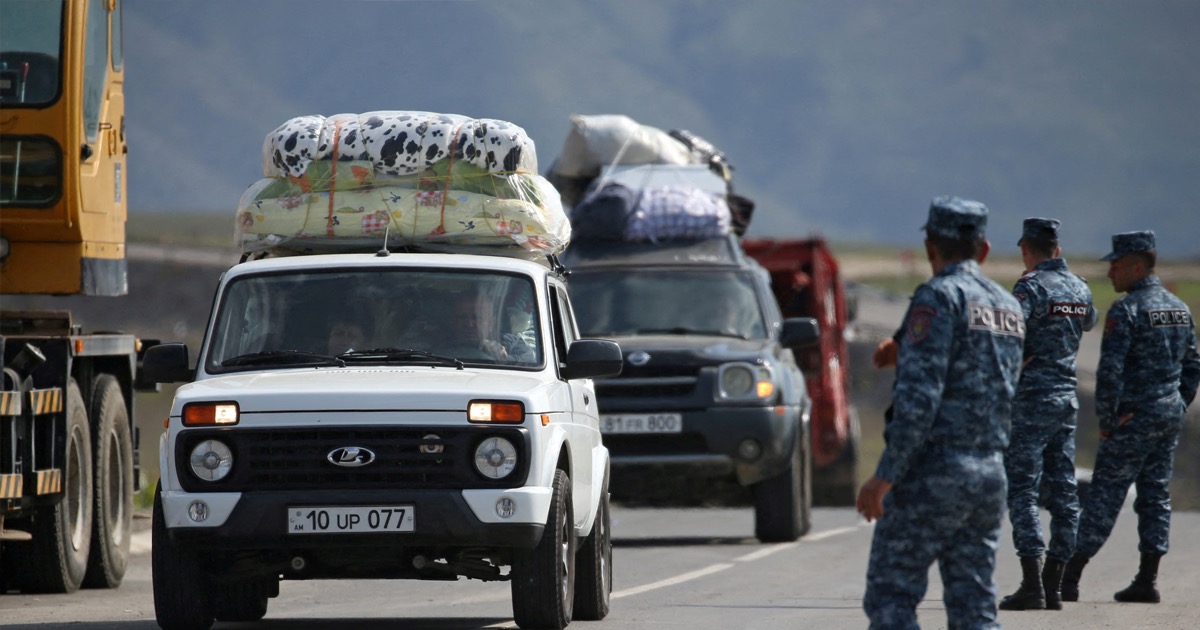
[(23, 415)]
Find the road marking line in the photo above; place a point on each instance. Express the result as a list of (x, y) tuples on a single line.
[(716, 568), (766, 551), (831, 533), (773, 549), (679, 579)]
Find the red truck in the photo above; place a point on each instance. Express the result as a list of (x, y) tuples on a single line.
[(806, 282)]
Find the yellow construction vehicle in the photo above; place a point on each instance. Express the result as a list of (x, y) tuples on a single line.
[(68, 456)]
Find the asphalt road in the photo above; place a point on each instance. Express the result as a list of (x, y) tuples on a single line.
[(689, 569)]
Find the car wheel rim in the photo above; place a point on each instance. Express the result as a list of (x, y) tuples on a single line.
[(564, 548), (605, 553)]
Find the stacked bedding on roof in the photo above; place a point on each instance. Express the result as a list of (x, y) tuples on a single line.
[(404, 179)]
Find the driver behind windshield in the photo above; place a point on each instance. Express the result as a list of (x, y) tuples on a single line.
[(349, 330), (460, 334)]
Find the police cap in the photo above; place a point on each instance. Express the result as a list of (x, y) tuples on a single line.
[(956, 218), (1039, 229), (1129, 243)]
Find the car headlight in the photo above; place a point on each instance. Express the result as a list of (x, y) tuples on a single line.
[(745, 381), (495, 458), (211, 460)]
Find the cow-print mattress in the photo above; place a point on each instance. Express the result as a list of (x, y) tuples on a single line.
[(398, 143)]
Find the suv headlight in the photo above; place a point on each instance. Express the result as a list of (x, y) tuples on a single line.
[(744, 381), (211, 460), (495, 457)]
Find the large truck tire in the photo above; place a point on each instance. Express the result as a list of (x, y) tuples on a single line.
[(112, 516), (55, 561), (181, 597), (543, 578), (783, 503), (836, 484)]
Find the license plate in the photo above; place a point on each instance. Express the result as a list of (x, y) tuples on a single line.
[(350, 520), (642, 423)]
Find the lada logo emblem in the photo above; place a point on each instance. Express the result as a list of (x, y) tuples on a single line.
[(638, 358), (351, 456)]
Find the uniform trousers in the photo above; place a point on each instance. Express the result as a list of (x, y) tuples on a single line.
[(1040, 460), (947, 509), (1130, 456)]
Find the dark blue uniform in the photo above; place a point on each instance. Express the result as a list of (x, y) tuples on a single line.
[(1149, 367), (956, 375), (1057, 306)]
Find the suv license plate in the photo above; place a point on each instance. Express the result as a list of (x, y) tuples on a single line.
[(642, 423), (350, 520)]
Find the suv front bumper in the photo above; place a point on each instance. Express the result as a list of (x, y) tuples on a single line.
[(709, 443), (455, 518)]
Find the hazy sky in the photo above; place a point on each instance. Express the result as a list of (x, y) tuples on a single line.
[(842, 118)]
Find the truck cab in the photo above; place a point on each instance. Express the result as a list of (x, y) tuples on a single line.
[(390, 416)]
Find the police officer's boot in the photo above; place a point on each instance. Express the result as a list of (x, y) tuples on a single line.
[(1029, 595), (1052, 583), (1142, 589), (1070, 578)]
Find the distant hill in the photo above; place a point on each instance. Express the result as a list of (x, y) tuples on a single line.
[(840, 118)]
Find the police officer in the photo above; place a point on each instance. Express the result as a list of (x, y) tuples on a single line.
[(939, 488), (1148, 374), (1057, 305)]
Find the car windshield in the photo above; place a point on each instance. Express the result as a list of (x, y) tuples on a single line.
[(709, 302), (352, 317)]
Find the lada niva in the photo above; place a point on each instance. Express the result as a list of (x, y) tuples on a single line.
[(389, 416)]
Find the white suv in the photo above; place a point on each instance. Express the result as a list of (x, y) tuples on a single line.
[(406, 416)]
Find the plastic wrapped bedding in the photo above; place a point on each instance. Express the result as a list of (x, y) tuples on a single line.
[(398, 143), (465, 184)]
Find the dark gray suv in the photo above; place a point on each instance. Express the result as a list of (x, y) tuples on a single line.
[(710, 392)]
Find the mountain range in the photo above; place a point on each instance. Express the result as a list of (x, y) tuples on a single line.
[(841, 118)]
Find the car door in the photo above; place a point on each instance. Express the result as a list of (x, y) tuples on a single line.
[(583, 431)]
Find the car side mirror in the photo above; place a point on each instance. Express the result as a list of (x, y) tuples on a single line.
[(167, 363), (592, 358), (799, 332)]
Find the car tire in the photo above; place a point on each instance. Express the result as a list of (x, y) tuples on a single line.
[(181, 600), (244, 600), (543, 578), (837, 485), (593, 567), (783, 503)]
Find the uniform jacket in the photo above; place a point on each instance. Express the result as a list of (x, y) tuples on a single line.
[(957, 370), (1058, 309), (1149, 365)]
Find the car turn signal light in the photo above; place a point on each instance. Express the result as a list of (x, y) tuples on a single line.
[(496, 411), (210, 414)]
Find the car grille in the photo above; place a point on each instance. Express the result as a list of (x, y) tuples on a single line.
[(678, 387), (405, 458)]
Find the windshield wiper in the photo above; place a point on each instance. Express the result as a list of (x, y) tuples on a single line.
[(283, 357), (684, 330), (408, 355)]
